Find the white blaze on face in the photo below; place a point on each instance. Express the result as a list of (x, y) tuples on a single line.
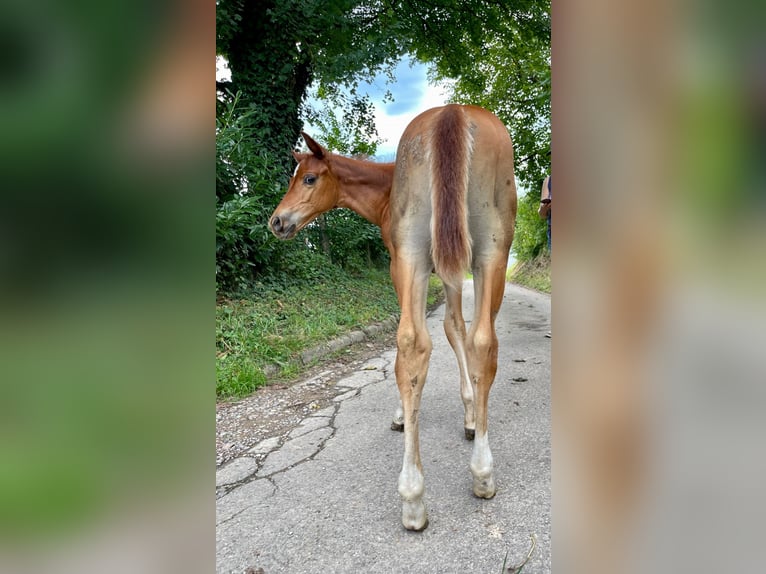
[(296, 170)]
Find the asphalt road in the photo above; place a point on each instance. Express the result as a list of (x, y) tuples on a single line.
[(325, 499)]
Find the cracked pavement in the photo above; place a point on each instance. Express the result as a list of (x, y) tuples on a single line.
[(322, 495)]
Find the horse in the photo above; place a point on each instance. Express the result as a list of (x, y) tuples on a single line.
[(447, 204)]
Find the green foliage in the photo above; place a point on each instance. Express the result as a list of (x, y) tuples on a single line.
[(244, 247), (249, 184), (348, 240), (498, 51), (531, 238), (534, 273), (435, 290), (242, 168), (352, 134), (277, 49)]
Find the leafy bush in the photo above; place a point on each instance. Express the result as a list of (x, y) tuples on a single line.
[(348, 240), (244, 247), (249, 185), (530, 239)]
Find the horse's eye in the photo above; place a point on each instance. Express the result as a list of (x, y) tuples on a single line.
[(310, 179)]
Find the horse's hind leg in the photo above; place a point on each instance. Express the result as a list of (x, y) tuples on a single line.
[(413, 353), (489, 285), (454, 327)]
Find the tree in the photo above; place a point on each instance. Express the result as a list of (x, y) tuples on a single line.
[(276, 49)]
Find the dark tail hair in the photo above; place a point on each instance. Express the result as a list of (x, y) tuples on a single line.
[(451, 150)]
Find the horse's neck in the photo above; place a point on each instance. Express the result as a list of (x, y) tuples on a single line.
[(365, 187)]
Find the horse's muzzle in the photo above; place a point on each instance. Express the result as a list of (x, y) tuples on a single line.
[(281, 227)]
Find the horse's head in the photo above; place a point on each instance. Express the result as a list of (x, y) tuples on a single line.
[(313, 190)]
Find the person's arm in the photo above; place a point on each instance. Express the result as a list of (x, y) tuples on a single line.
[(545, 201)]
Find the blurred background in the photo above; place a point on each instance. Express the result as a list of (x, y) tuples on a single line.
[(107, 267), (658, 306)]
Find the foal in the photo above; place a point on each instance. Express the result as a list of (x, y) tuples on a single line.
[(448, 204)]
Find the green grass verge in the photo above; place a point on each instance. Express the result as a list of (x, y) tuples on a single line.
[(535, 273), (275, 325)]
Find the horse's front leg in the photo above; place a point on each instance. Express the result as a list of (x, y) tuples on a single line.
[(397, 423)]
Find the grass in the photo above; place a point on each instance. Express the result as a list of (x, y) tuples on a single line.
[(535, 273), (275, 326)]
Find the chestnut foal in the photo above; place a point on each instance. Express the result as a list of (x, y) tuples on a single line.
[(447, 205)]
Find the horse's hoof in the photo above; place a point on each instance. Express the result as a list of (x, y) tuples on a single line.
[(399, 427), (470, 434), (414, 516), (421, 529), (484, 488)]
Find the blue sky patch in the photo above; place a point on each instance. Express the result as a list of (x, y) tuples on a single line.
[(408, 90)]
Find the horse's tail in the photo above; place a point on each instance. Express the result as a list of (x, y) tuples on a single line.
[(451, 151)]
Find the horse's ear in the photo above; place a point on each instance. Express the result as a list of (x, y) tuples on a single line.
[(298, 157), (315, 148)]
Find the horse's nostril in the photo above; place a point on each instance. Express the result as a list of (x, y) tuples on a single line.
[(276, 223)]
